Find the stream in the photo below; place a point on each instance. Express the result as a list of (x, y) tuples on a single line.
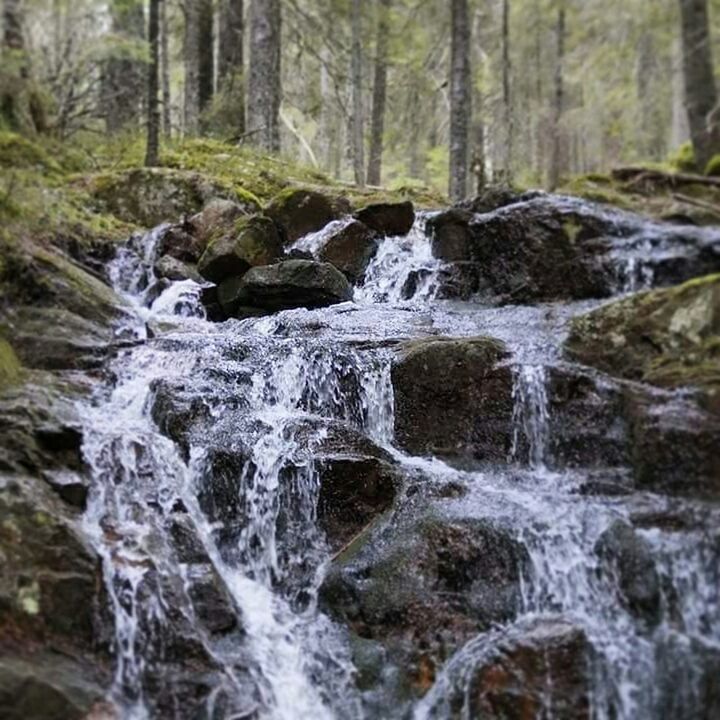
[(206, 453)]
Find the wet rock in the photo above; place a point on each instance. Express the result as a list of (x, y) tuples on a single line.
[(179, 242), (211, 602), (388, 219), (673, 445), (350, 250), (628, 559), (497, 197), (543, 668), (289, 284), (453, 399), (451, 236), (150, 196), (251, 242), (185, 541), (424, 588), (217, 218), (172, 269), (666, 337), (52, 686), (49, 577), (70, 486), (300, 212)]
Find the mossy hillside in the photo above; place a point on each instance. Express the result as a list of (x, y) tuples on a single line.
[(668, 337), (10, 367)]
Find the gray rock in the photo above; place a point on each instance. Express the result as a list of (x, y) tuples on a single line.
[(388, 219), (350, 250)]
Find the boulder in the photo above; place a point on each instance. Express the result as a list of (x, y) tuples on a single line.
[(498, 196), (628, 560), (218, 217), (299, 212), (179, 242), (451, 237), (251, 242), (453, 399), (150, 196), (424, 587), (541, 668), (667, 337), (389, 218), (170, 268), (350, 250), (285, 285)]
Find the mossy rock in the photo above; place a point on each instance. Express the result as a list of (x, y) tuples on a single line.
[(713, 167), (668, 337), (683, 159), (150, 196), (252, 241)]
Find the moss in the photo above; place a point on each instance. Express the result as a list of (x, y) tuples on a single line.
[(683, 159), (713, 167), (18, 152), (10, 367)]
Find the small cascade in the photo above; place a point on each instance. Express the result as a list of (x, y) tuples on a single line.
[(531, 416)]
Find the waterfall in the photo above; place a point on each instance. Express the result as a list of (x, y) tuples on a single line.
[(531, 418)]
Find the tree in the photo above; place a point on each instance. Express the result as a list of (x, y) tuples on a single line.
[(206, 56), (508, 119), (377, 124), (165, 69), (556, 150), (460, 103), (153, 86), (125, 69), (700, 90), (230, 59), (13, 25), (264, 82), (357, 118), (191, 61)]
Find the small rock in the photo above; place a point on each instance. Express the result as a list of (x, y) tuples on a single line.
[(388, 219), (173, 269)]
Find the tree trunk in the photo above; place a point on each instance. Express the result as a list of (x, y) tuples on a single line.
[(264, 84), (377, 129), (153, 83), (13, 25), (123, 76), (700, 91), (556, 150), (460, 99), (328, 133), (357, 120), (165, 70), (206, 55), (680, 131), (230, 57), (508, 118), (191, 61)]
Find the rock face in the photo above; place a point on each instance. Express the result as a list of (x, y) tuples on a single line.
[(299, 212), (426, 588), (388, 219), (541, 669), (251, 242), (628, 559), (350, 250), (285, 285), (150, 196), (453, 399), (666, 337)]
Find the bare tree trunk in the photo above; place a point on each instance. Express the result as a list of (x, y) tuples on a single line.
[(153, 86), (377, 129), (556, 151), (508, 118), (191, 61), (165, 70), (416, 165), (13, 25), (123, 76), (680, 131), (206, 54), (327, 137), (231, 72), (358, 120), (264, 85), (460, 99), (700, 90)]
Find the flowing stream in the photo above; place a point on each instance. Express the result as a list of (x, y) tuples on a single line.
[(258, 396)]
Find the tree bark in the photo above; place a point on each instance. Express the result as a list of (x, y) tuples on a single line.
[(460, 99), (191, 61), (231, 70), (700, 90), (153, 83), (123, 76), (264, 82), (206, 55), (165, 70), (377, 127), (556, 150), (13, 25), (357, 119), (508, 118)]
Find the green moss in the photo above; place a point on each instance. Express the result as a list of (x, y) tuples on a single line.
[(713, 167), (683, 159), (10, 368), (18, 152)]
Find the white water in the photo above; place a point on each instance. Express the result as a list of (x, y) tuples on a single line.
[(262, 381)]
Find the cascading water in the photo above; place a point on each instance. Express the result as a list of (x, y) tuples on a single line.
[(243, 472)]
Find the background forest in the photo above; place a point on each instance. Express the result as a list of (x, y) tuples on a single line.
[(556, 88)]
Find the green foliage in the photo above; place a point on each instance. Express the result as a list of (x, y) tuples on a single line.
[(683, 159), (18, 152), (713, 167)]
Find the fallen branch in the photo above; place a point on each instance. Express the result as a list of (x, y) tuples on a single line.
[(698, 203), (639, 175)]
